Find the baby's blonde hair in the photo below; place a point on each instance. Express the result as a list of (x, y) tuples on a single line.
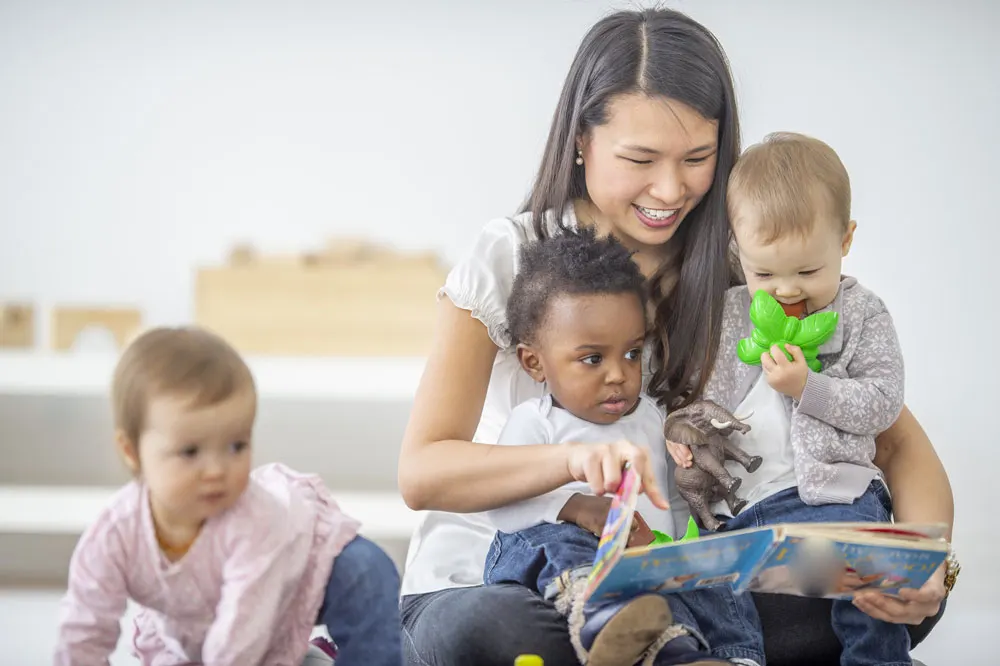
[(788, 179), (184, 361)]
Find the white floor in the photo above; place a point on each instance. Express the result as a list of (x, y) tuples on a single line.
[(28, 621)]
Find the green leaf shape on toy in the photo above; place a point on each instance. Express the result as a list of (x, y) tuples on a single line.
[(773, 327), (690, 534)]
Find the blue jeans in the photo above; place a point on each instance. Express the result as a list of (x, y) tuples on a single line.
[(535, 557), (865, 640), (361, 607)]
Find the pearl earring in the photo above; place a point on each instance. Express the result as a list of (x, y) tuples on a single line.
[(579, 156)]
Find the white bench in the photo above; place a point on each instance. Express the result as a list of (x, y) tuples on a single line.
[(68, 510), (387, 379)]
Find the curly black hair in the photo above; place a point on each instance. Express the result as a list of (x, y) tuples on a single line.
[(574, 261)]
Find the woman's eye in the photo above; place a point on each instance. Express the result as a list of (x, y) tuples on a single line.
[(697, 160), (637, 161)]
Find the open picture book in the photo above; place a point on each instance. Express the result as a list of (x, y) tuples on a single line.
[(829, 560)]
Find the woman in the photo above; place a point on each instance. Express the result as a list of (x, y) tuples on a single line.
[(641, 145)]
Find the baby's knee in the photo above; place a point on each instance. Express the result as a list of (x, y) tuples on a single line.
[(363, 563)]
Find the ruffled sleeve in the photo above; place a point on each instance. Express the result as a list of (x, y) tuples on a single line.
[(481, 282)]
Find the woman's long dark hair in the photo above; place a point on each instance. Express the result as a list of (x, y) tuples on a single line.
[(663, 53)]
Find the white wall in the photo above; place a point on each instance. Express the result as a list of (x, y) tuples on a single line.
[(138, 141)]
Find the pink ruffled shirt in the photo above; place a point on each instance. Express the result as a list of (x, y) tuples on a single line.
[(247, 592)]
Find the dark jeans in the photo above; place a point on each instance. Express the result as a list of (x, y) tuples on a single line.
[(361, 607)]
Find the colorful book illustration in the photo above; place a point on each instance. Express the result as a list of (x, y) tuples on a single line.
[(829, 560)]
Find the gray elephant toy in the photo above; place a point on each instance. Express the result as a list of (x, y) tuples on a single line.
[(704, 426)]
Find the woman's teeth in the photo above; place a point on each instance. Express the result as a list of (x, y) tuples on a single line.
[(655, 214)]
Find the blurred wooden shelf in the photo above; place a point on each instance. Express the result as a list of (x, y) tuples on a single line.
[(68, 510), (390, 379)]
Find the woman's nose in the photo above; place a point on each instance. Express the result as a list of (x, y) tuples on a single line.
[(668, 186)]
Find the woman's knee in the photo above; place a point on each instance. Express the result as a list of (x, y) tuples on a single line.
[(488, 626)]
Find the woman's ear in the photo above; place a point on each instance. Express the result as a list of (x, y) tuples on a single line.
[(127, 450), (531, 362)]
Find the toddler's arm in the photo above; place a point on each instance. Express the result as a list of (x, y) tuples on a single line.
[(526, 426), (253, 580), (91, 612), (871, 398)]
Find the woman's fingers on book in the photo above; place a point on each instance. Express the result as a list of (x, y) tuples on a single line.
[(601, 465), (897, 611), (611, 472), (636, 455), (913, 607)]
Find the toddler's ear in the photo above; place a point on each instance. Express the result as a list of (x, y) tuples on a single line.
[(127, 450), (848, 237), (531, 362)]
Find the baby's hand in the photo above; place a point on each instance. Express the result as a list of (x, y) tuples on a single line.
[(601, 465), (591, 513), (784, 376), (681, 453)]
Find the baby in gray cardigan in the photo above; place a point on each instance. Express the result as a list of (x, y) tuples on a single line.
[(789, 202), (789, 205)]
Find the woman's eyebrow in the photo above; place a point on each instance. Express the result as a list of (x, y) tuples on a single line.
[(652, 151), (641, 149), (703, 148)]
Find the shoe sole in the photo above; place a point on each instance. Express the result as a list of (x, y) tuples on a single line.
[(631, 631)]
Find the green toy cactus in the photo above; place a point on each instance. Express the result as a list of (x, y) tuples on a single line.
[(773, 327), (689, 535)]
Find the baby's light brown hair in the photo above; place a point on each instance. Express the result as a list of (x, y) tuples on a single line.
[(188, 362), (789, 179)]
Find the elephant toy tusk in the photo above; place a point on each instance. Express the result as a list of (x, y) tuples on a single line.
[(719, 425), (744, 418)]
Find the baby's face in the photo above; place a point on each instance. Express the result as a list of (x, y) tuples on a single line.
[(802, 272), (591, 354), (196, 460)]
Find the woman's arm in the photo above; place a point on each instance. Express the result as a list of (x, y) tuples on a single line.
[(916, 478), (920, 492), (440, 468)]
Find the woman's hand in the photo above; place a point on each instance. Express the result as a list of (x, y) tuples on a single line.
[(914, 607), (681, 454), (601, 465), (591, 513)]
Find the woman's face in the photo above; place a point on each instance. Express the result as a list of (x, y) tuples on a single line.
[(647, 167)]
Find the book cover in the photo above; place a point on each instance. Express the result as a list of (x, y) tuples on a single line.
[(829, 560), (617, 526), (719, 559)]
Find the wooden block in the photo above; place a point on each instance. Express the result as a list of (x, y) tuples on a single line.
[(381, 304), (17, 326), (69, 322)]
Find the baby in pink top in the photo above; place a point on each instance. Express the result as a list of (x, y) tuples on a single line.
[(228, 565)]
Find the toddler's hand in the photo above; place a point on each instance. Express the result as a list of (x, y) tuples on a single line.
[(601, 465), (591, 513), (784, 376)]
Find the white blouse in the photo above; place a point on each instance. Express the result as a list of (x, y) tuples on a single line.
[(449, 549)]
